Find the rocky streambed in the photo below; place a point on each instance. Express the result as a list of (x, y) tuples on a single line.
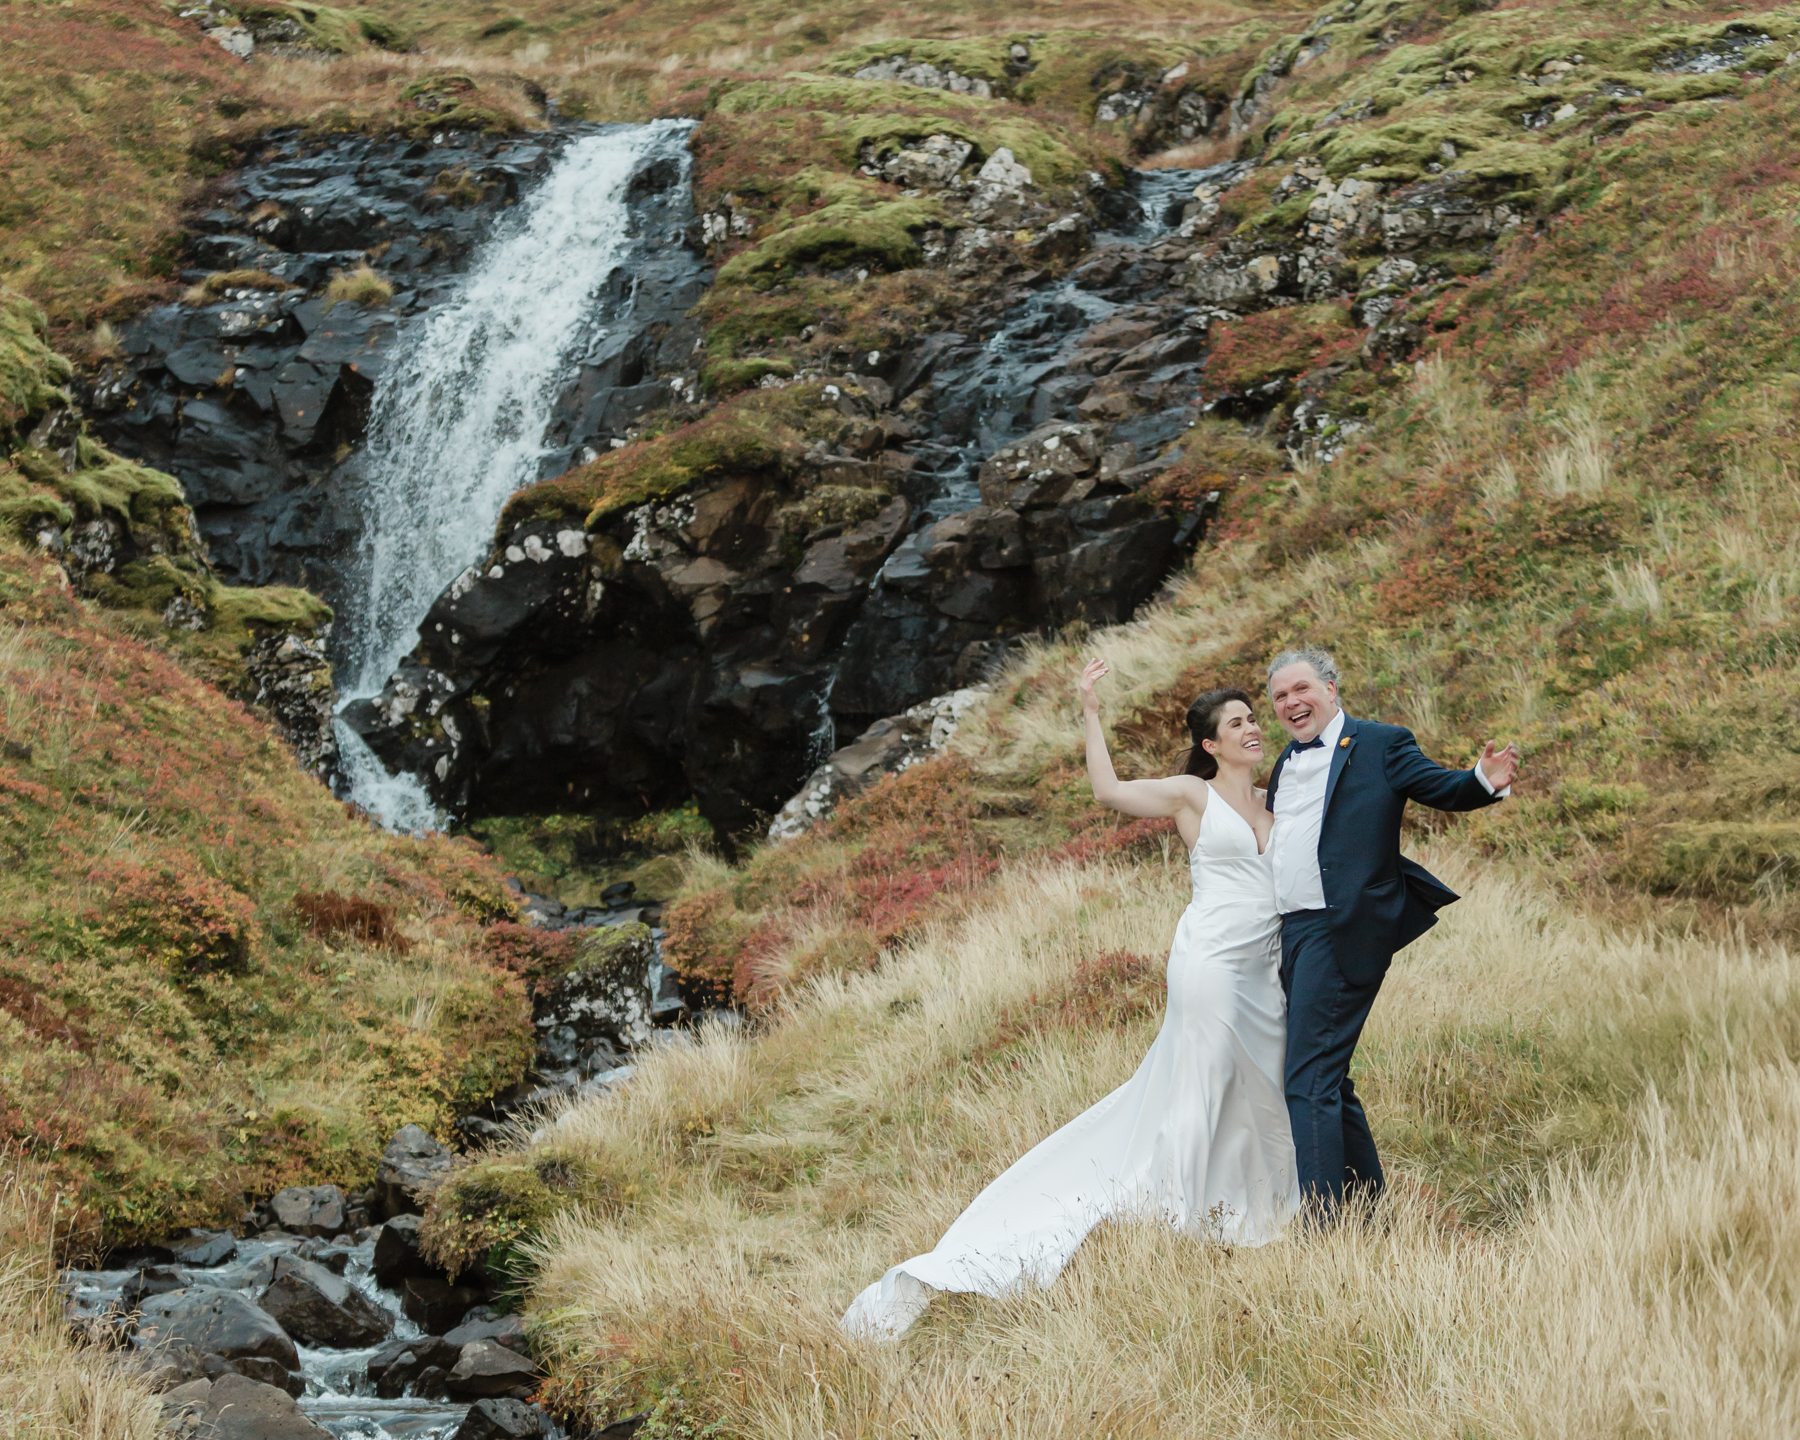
[(319, 1316)]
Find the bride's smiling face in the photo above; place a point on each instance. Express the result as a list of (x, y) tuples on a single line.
[(1239, 739)]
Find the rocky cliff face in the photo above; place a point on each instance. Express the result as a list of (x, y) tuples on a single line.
[(737, 603), (255, 388)]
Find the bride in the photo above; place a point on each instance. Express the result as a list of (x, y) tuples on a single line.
[(1199, 1136)]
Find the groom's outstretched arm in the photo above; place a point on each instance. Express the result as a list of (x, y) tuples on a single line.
[(1417, 778)]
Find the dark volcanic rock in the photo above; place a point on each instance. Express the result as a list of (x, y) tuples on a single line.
[(433, 1303), (234, 1407), (269, 1372), (397, 1251), (258, 398), (487, 1367), (502, 1420), (412, 1166), (319, 1308), (202, 1249), (399, 1365), (308, 1209), (508, 1330), (214, 1322), (166, 1366)]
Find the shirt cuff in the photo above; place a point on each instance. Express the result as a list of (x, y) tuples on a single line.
[(1488, 785)]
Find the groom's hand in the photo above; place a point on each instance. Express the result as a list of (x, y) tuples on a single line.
[(1500, 766)]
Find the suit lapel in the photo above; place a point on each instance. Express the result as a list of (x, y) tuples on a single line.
[(1340, 757), (1275, 776)]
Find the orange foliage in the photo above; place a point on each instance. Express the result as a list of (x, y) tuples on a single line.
[(329, 913)]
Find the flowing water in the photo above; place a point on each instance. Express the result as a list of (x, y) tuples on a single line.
[(459, 418)]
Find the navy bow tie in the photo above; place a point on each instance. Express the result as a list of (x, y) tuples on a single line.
[(1316, 743)]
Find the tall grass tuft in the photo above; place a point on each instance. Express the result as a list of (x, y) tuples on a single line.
[(52, 1388)]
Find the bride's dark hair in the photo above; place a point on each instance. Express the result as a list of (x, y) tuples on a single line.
[(1203, 724)]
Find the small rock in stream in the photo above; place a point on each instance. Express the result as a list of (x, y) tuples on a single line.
[(317, 1307), (309, 1209), (203, 1249), (234, 1407), (486, 1367), (397, 1251), (151, 1280), (399, 1366), (433, 1303), (508, 1330), (501, 1420), (214, 1322)]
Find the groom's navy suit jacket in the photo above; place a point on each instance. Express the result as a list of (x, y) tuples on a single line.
[(1378, 900)]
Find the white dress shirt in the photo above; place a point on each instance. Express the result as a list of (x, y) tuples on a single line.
[(1299, 817)]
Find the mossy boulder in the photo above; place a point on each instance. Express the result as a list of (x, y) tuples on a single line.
[(31, 373), (486, 1212)]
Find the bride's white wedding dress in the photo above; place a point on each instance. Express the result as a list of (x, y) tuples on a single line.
[(1198, 1137)]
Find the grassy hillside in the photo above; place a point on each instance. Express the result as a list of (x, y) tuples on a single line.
[(1563, 511), (1569, 519), (214, 980)]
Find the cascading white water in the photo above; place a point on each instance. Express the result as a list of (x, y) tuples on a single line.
[(458, 419)]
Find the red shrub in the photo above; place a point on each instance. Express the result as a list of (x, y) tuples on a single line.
[(329, 913), (1137, 837), (530, 953), (179, 917)]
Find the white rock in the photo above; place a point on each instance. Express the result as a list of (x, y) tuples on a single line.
[(1002, 170)]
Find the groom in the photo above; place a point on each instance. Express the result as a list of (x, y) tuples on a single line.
[(1348, 899)]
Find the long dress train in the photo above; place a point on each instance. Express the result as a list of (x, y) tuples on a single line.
[(1198, 1137)]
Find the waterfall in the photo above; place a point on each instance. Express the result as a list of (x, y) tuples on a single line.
[(458, 418)]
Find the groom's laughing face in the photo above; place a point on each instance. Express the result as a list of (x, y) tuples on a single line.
[(1304, 704)]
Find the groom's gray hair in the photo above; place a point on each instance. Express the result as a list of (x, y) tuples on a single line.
[(1322, 664)]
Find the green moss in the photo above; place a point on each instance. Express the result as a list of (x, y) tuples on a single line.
[(761, 432), (1729, 860), (1284, 218), (323, 27), (982, 58), (728, 377), (499, 1203), (31, 373), (851, 230)]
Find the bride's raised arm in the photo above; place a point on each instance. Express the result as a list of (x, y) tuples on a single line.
[(1148, 799)]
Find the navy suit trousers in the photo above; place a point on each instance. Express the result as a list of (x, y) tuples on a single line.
[(1332, 1143)]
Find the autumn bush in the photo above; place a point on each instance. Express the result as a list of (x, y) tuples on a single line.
[(353, 917), (178, 918)]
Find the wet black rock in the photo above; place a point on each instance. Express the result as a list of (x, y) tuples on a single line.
[(507, 1330), (214, 1322), (434, 1304), (269, 1372), (202, 1249), (488, 1368), (319, 1308), (413, 1165), (720, 643), (257, 397), (166, 1366), (151, 1280), (397, 1251), (502, 1420), (308, 1209), (234, 1407), (398, 1367)]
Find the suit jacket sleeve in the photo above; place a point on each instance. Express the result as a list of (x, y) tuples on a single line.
[(1410, 774)]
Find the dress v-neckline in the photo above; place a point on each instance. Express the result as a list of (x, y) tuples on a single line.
[(1255, 839)]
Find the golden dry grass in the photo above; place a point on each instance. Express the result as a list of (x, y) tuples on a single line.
[(1623, 1266), (51, 1388)]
